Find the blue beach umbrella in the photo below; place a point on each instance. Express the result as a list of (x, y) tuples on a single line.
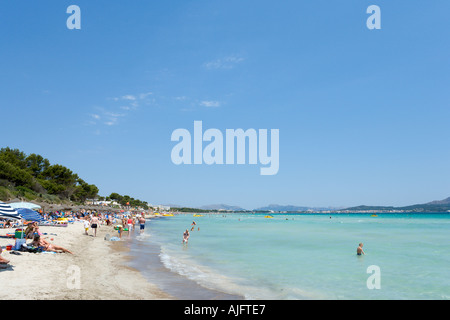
[(7, 212), (30, 215)]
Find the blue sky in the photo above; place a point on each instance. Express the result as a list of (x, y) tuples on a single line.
[(363, 114)]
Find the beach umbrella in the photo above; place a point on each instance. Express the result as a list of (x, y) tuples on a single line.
[(7, 212), (30, 215), (24, 205)]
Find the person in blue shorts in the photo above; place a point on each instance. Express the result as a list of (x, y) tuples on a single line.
[(141, 224)]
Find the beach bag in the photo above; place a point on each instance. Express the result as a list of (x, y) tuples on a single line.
[(34, 249)]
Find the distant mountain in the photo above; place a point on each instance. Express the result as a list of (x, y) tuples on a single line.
[(222, 207), (440, 202), (365, 208), (433, 206)]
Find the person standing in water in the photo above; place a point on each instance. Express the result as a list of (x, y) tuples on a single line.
[(186, 236), (141, 223), (130, 224), (360, 250)]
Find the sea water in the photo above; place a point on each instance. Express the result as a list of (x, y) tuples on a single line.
[(298, 256)]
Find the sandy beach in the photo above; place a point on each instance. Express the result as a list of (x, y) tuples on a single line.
[(96, 270)]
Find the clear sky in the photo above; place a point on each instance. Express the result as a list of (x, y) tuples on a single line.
[(363, 114)]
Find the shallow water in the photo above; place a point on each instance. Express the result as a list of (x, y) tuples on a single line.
[(298, 256)]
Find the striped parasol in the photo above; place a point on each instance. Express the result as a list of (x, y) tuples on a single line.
[(7, 212)]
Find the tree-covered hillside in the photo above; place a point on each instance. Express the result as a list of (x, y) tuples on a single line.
[(34, 177)]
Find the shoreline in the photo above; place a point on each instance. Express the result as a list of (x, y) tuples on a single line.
[(178, 286), (98, 269)]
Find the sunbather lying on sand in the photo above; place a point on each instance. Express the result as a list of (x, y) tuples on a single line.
[(47, 246)]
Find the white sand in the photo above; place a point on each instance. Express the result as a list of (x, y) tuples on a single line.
[(100, 264)]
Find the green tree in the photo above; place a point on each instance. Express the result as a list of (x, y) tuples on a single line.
[(14, 157), (85, 191), (16, 175), (60, 175), (37, 164), (115, 196)]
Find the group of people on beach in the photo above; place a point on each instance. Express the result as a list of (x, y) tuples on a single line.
[(8, 224), (91, 220), (38, 243), (131, 222), (122, 223)]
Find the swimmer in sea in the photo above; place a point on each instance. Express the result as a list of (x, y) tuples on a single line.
[(360, 250)]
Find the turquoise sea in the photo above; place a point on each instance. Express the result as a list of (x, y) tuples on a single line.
[(297, 256)]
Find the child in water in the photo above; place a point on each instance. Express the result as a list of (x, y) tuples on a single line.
[(120, 230)]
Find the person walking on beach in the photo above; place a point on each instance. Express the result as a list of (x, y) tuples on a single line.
[(86, 226), (130, 224), (360, 250), (94, 224)]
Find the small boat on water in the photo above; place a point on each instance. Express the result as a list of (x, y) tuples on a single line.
[(198, 215), (268, 217)]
